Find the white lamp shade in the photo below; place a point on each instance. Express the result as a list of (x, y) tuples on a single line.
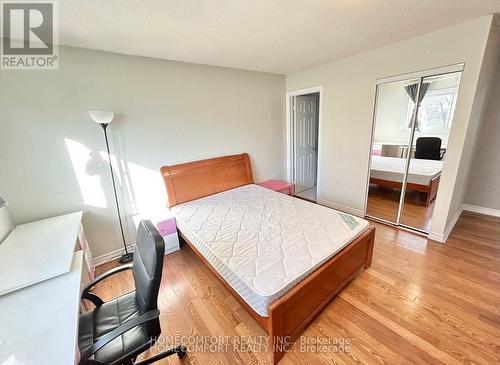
[(101, 116)]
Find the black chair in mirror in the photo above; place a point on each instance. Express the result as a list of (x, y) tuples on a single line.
[(428, 148)]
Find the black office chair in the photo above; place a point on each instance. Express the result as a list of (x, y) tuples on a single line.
[(428, 148), (117, 331)]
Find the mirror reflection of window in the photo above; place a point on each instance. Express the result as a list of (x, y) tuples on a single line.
[(436, 110)]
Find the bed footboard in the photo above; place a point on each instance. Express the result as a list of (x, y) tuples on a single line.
[(293, 312)]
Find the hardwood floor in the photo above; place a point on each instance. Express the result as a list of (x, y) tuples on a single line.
[(384, 203), (420, 302)]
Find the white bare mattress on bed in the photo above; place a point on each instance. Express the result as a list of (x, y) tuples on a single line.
[(392, 169), (263, 242)]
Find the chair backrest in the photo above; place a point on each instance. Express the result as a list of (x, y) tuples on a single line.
[(428, 148), (147, 266)]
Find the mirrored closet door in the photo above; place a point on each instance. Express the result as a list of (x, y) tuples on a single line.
[(391, 138), (412, 123)]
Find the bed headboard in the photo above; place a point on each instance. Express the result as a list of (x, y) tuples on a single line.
[(197, 179)]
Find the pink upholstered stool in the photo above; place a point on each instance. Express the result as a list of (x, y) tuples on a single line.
[(278, 185)]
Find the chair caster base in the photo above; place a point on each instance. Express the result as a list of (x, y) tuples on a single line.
[(181, 351)]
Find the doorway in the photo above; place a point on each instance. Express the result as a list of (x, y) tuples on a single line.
[(412, 122), (303, 141)]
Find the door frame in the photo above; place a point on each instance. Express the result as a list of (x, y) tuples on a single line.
[(289, 136)]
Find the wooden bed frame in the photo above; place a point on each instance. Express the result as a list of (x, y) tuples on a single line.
[(293, 312), (430, 189)]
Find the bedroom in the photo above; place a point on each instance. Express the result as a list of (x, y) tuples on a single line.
[(219, 87)]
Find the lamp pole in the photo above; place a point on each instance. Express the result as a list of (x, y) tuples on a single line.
[(127, 256)]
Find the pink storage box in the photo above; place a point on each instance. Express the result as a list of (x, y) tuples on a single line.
[(168, 230), (167, 226)]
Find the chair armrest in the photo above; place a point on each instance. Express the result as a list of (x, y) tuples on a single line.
[(94, 298), (105, 275), (110, 336)]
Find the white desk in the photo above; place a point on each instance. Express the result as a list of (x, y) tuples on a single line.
[(37, 251), (403, 144), (39, 324), (403, 148), (40, 284)]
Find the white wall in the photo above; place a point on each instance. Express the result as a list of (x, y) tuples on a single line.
[(51, 152), (482, 93), (484, 184), (391, 114), (349, 91)]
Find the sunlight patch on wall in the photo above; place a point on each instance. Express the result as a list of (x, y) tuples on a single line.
[(148, 189), (89, 166)]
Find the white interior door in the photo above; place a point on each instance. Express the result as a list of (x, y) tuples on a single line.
[(305, 142)]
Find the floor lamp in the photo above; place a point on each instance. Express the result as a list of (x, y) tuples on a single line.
[(103, 118), (3, 203)]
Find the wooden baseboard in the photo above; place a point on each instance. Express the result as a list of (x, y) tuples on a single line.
[(112, 255), (443, 237), (115, 254), (469, 208), (481, 210)]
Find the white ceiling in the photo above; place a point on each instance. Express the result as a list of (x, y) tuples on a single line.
[(263, 35)]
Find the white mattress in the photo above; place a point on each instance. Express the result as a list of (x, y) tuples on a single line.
[(392, 169), (263, 242)]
